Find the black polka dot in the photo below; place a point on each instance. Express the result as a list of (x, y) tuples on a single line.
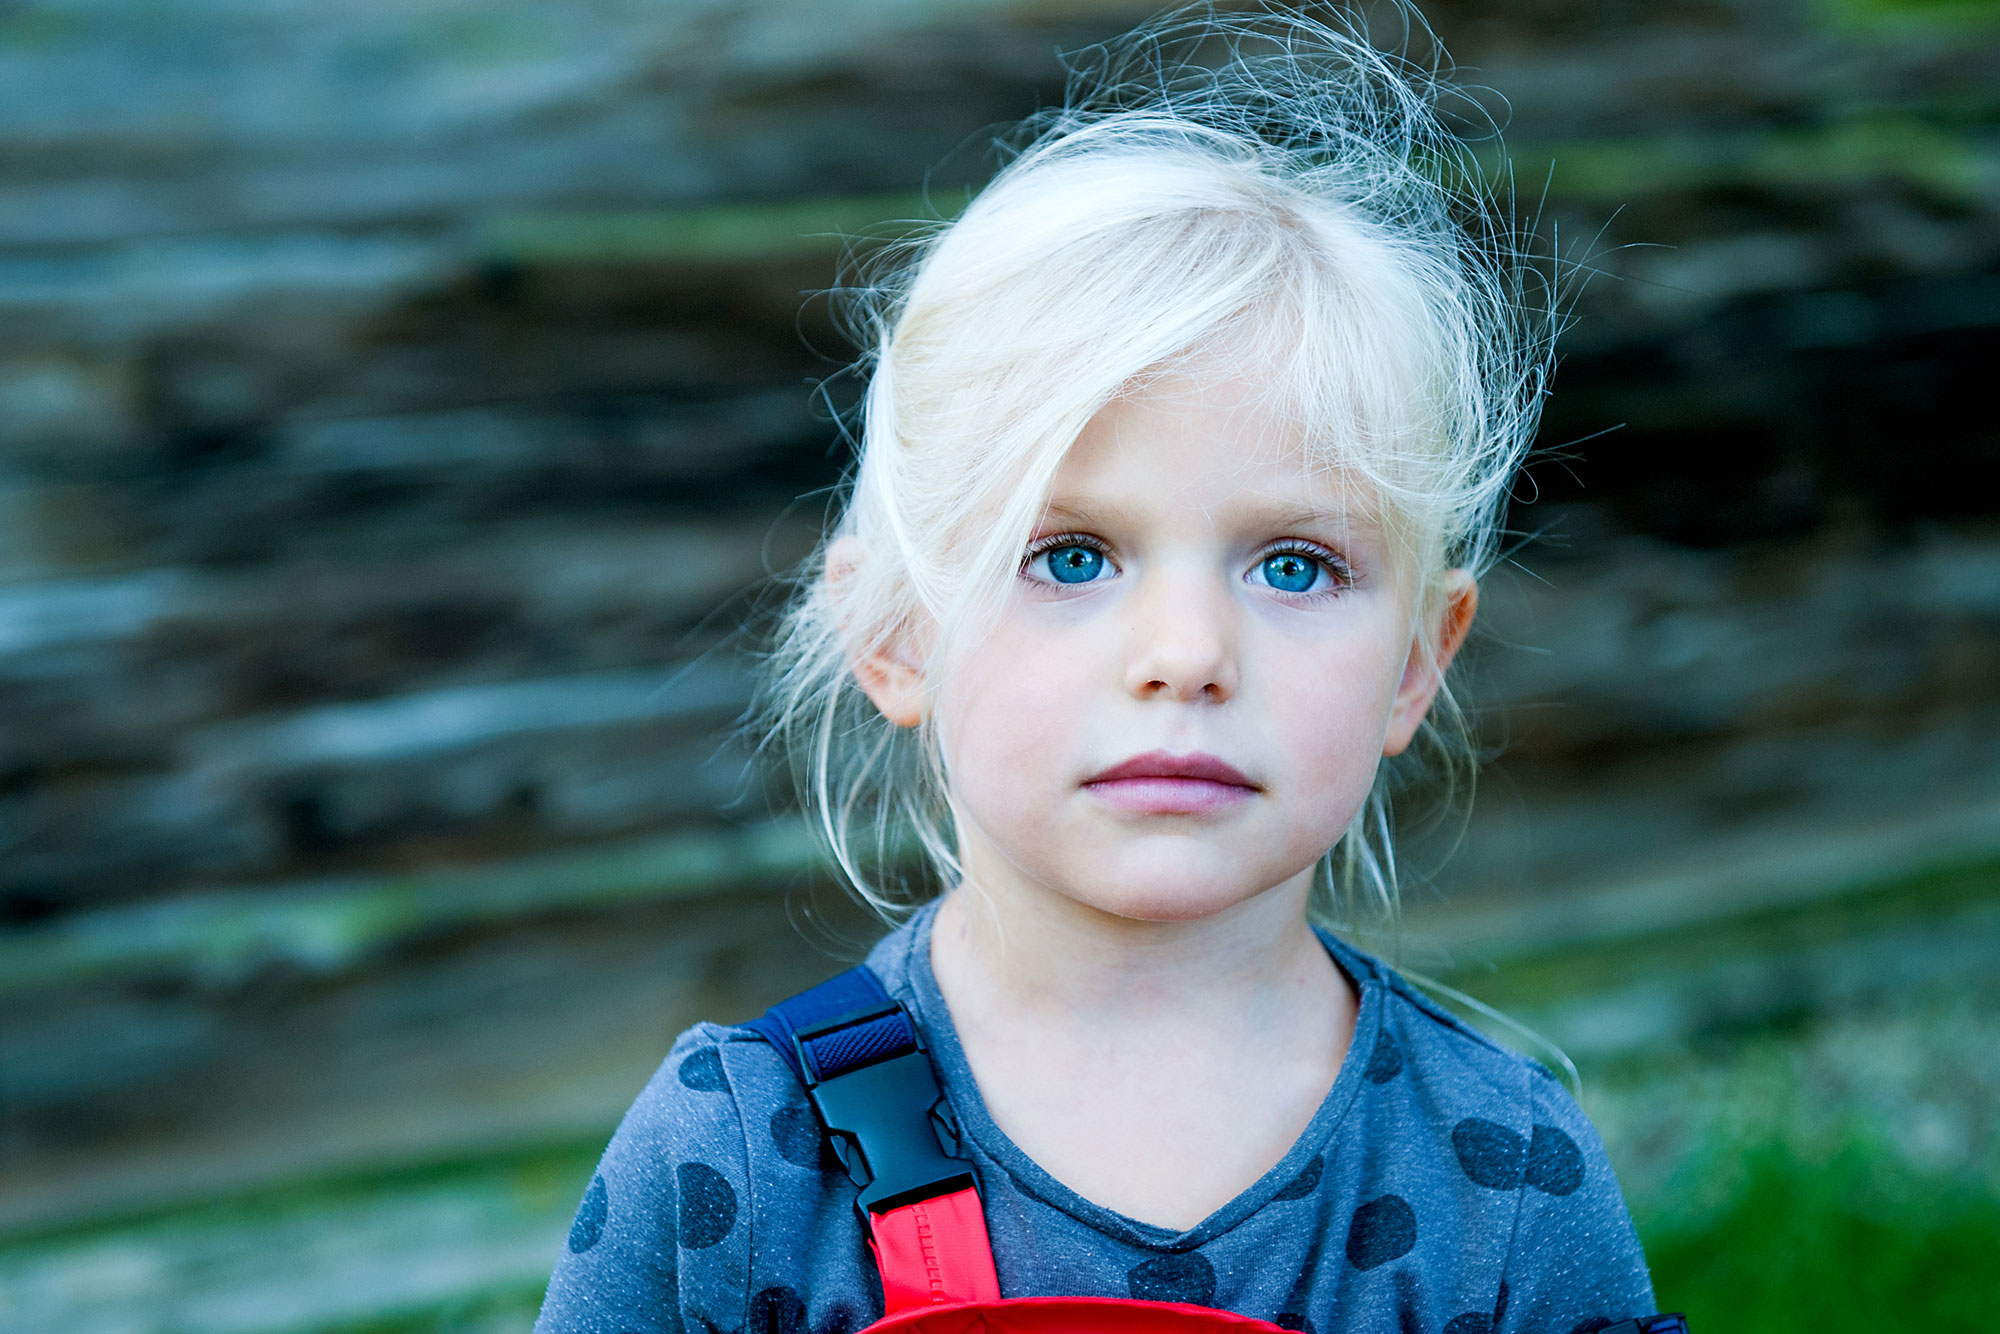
[(795, 1130), (1292, 1315), (1305, 1183), (1174, 1278), (707, 1205), (1472, 1322), (1386, 1061), (776, 1311), (1383, 1229), (1555, 1164), (702, 1071), (589, 1223), (1491, 1154)]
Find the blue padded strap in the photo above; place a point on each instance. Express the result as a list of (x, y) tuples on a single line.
[(849, 1047), (835, 1053)]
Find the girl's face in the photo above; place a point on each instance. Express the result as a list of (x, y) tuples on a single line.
[(1202, 660)]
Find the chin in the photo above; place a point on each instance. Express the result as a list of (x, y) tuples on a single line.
[(1170, 898), (1166, 880)]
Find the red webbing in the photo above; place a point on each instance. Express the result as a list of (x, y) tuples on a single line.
[(935, 1251), (1070, 1315)]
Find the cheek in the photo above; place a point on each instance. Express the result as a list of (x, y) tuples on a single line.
[(1335, 749), (1332, 726), (1003, 720)]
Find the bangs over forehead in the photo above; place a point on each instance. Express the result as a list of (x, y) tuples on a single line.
[(1278, 473), (1130, 253)]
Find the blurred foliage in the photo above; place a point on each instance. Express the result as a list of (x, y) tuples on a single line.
[(1852, 1240), (1811, 1142)]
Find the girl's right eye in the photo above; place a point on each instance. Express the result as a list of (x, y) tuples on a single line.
[(1066, 561)]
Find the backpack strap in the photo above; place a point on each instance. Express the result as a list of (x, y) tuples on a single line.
[(862, 1061), (838, 996)]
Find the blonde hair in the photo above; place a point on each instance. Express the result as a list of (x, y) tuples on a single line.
[(1302, 194)]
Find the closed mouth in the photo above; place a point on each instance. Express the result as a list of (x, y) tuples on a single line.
[(1158, 764)]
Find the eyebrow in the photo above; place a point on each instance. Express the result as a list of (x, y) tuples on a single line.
[(1277, 515), (1084, 515)]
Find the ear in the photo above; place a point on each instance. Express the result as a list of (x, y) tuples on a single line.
[(1423, 675), (889, 674)]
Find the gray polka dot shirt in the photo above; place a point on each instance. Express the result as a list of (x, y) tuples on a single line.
[(1446, 1186)]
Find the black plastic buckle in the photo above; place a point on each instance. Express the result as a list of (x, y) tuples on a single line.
[(890, 1123)]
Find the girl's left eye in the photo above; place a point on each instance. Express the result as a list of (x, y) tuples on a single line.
[(1297, 572)]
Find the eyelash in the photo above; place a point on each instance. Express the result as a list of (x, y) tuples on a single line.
[(1337, 570), (1041, 546)]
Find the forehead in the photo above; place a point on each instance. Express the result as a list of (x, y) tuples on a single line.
[(1215, 444)]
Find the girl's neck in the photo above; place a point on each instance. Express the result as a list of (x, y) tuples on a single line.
[(1103, 1047), (1049, 959)]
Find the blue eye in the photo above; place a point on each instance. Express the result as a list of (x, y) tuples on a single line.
[(1291, 572), (1074, 564)]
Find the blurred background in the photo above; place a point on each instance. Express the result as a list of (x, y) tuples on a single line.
[(403, 407)]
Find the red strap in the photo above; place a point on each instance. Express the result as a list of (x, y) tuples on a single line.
[(1069, 1315), (935, 1251)]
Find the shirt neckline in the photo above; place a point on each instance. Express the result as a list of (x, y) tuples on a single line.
[(977, 1125)]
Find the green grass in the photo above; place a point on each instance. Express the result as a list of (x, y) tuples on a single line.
[(1851, 1240)]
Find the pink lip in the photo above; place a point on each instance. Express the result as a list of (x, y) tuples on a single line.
[(1164, 784), (1160, 764)]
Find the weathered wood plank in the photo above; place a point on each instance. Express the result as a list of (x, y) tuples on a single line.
[(337, 924), (123, 1096)]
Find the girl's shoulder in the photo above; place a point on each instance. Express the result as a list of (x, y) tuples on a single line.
[(1463, 1068), (726, 1081), (1467, 1125), (720, 1131), (681, 1160), (704, 1075), (724, 1084)]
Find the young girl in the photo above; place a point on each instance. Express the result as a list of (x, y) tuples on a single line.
[(1181, 451)]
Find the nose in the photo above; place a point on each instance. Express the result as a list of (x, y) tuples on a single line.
[(1182, 642)]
